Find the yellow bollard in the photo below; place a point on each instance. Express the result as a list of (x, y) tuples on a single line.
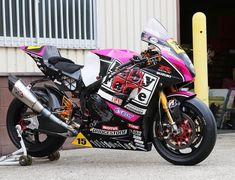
[(200, 56)]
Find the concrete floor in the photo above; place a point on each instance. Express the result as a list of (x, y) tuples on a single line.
[(116, 164)]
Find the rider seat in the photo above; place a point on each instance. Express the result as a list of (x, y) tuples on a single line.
[(64, 64)]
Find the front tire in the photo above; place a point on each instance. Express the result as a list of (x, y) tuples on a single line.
[(196, 139)]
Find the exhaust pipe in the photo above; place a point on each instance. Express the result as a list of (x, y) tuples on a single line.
[(21, 92)]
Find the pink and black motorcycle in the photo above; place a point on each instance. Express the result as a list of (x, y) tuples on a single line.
[(135, 102)]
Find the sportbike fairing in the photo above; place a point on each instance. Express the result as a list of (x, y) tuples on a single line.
[(156, 34), (128, 93), (126, 96)]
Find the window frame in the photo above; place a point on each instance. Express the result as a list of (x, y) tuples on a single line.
[(79, 24)]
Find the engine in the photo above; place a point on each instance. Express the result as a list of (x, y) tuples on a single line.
[(98, 109)]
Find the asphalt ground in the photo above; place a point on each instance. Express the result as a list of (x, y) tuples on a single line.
[(118, 164)]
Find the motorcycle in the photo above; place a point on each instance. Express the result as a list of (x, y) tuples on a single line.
[(137, 101)]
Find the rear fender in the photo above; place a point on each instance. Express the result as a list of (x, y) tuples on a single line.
[(54, 96)]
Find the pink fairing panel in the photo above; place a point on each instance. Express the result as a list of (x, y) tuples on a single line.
[(123, 113), (37, 51), (122, 54), (183, 93), (179, 64)]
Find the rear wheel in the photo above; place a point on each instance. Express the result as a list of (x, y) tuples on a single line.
[(38, 144), (196, 138)]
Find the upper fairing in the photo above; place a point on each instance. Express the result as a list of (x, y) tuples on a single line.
[(45, 52), (179, 64), (122, 55)]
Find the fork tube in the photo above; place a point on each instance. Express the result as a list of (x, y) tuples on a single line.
[(165, 107)]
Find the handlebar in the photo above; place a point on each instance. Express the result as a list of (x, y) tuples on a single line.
[(136, 60), (125, 64)]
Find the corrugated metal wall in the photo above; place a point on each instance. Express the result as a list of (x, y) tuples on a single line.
[(15, 60), (120, 23)]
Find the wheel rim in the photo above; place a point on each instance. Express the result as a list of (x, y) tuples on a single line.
[(30, 136), (191, 132)]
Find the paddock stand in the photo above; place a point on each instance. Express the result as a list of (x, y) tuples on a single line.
[(18, 157)]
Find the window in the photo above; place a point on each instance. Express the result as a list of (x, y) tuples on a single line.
[(63, 23)]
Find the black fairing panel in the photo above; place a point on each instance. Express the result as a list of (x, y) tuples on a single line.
[(168, 74)]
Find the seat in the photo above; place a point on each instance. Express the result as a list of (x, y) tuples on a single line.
[(55, 59), (64, 64)]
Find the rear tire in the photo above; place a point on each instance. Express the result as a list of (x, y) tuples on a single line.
[(48, 145), (197, 139)]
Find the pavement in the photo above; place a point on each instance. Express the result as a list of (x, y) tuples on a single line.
[(119, 164)]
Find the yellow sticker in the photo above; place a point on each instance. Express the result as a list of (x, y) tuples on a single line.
[(81, 140), (33, 47), (175, 46)]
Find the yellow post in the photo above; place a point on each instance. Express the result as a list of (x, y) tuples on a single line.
[(200, 56)]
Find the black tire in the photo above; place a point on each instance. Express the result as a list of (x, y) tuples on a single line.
[(195, 148), (25, 160), (54, 156), (49, 145)]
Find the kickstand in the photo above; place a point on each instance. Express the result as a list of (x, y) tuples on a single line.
[(18, 157)]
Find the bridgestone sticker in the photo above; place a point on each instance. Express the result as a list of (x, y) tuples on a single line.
[(109, 133), (135, 109)]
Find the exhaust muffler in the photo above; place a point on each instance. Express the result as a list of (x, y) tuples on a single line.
[(21, 92)]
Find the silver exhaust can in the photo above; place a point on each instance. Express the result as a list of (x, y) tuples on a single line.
[(24, 94)]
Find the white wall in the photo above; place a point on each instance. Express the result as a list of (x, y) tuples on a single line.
[(120, 23), (15, 60)]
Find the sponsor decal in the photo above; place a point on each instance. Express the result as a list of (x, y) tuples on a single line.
[(153, 40), (127, 146), (149, 85), (123, 113), (175, 46), (137, 133), (95, 144), (98, 143), (81, 140), (108, 133), (33, 47), (121, 145), (172, 103), (135, 109), (163, 74), (132, 126), (139, 145), (165, 69), (107, 144), (116, 100), (137, 137), (132, 146), (19, 92), (112, 145), (138, 141), (110, 128), (148, 80)]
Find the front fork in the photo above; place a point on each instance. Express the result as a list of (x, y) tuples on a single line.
[(163, 99)]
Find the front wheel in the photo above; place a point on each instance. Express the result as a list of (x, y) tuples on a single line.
[(197, 135)]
